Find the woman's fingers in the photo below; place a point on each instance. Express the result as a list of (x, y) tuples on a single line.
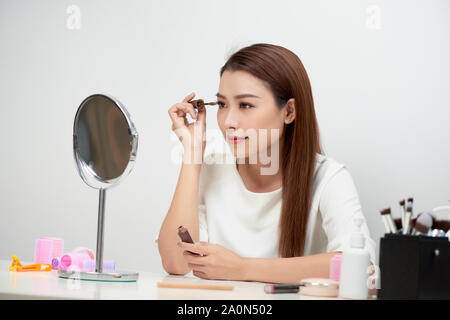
[(188, 133), (189, 97), (189, 108), (196, 267), (179, 111), (201, 116), (177, 119), (186, 100), (199, 274), (196, 262), (199, 247), (195, 258)]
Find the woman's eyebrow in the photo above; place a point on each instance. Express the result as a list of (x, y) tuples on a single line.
[(239, 96)]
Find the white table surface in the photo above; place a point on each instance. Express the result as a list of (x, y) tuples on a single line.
[(47, 285)]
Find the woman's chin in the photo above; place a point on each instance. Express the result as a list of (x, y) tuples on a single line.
[(248, 158), (238, 154)]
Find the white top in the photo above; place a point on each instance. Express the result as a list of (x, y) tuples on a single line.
[(246, 222)]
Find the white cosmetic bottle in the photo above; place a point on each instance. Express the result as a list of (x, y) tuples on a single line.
[(355, 266)]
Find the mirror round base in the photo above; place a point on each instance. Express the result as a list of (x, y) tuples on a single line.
[(117, 276)]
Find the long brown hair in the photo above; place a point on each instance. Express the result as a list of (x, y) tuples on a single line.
[(283, 71)]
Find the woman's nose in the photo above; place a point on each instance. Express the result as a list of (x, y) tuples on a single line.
[(231, 119)]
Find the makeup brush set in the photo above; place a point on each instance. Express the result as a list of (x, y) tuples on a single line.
[(425, 223), (415, 253)]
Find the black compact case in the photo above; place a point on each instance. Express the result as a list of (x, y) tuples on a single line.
[(414, 267)]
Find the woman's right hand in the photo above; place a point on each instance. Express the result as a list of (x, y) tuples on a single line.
[(192, 134)]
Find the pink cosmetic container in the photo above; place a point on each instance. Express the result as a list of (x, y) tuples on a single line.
[(74, 260), (335, 267), (48, 248)]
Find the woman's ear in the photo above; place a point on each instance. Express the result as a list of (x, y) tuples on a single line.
[(289, 111)]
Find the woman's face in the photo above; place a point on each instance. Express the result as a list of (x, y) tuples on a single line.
[(247, 109)]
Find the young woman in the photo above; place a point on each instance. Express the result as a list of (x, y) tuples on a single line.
[(248, 225)]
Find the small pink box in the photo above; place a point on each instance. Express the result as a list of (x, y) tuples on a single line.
[(48, 248)]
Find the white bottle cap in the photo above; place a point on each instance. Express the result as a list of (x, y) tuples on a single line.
[(358, 240)]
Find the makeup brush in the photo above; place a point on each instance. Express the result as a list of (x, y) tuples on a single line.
[(411, 200), (384, 217), (408, 216), (391, 221), (383, 213), (402, 212), (398, 224), (441, 224), (199, 104), (423, 224)]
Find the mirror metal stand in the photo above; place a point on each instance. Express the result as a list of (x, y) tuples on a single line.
[(100, 228)]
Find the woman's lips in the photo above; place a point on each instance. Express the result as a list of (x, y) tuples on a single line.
[(235, 140)]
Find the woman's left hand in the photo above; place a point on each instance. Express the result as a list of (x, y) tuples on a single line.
[(213, 261)]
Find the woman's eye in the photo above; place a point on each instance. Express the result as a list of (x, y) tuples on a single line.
[(220, 104), (248, 106), (242, 105)]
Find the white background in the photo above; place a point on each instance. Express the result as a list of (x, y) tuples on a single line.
[(379, 70)]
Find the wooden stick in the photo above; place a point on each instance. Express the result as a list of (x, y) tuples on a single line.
[(187, 285)]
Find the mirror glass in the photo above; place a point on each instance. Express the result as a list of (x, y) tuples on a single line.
[(105, 141)]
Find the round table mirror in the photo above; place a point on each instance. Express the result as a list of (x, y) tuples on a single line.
[(104, 144)]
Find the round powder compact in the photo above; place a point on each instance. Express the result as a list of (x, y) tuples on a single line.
[(319, 287)]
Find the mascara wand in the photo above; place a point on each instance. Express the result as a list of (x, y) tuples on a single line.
[(199, 104)]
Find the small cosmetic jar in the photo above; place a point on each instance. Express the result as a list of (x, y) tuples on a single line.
[(319, 287), (335, 267)]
